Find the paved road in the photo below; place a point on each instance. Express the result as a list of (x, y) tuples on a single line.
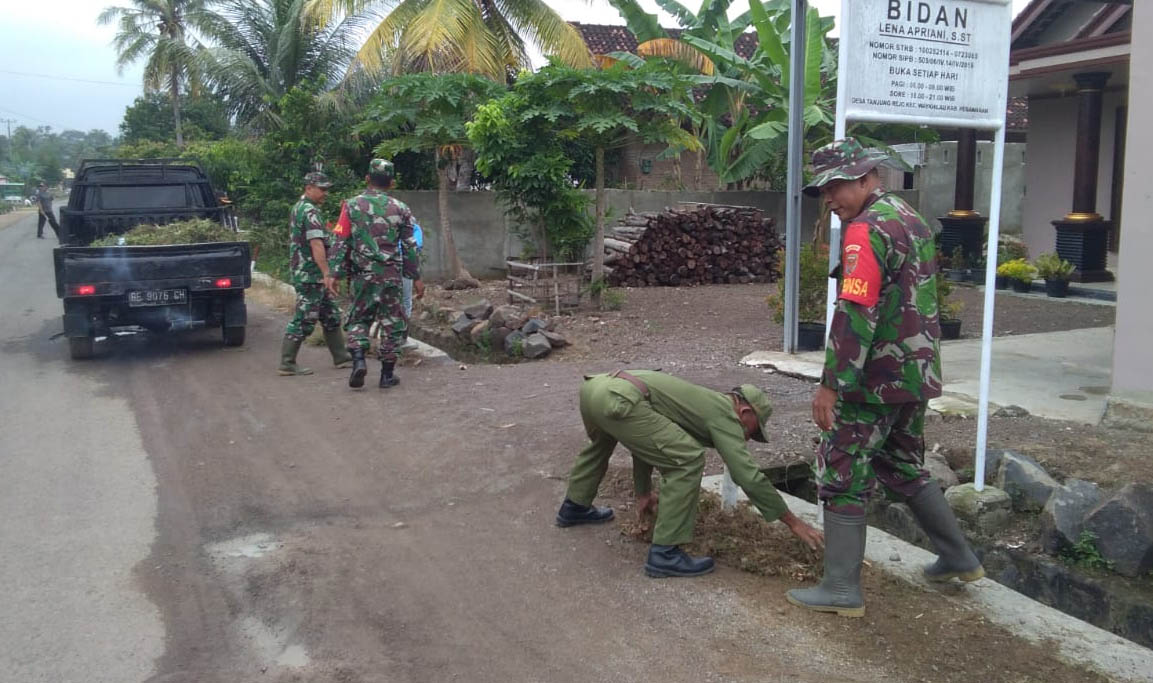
[(77, 496), (172, 511)]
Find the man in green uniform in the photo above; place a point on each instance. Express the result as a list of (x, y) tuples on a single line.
[(882, 366), (667, 423), (314, 284), (377, 248)]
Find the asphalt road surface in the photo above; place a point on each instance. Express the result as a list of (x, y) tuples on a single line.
[(173, 511)]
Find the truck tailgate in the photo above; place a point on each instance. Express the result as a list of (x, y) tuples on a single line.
[(116, 270)]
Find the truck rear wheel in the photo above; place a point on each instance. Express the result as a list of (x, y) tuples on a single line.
[(81, 348), (233, 336)]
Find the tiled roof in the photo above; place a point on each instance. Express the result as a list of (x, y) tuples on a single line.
[(1017, 116), (605, 38)]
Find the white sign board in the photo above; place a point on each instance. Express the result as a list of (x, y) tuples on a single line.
[(938, 62)]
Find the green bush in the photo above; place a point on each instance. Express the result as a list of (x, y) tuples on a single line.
[(812, 297), (948, 309), (1050, 266), (196, 231)]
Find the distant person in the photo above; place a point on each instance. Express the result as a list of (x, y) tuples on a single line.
[(376, 249), (667, 423), (43, 200), (312, 279), (417, 235), (882, 367)]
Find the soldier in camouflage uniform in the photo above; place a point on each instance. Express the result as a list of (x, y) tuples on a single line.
[(377, 248), (314, 284), (882, 366)]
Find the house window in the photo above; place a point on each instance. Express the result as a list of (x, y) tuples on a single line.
[(908, 182)]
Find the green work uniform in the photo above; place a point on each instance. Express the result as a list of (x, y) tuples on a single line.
[(670, 431)]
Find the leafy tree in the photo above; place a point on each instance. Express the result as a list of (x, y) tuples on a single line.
[(532, 173), (485, 37), (157, 32), (609, 109), (265, 48), (428, 112), (203, 118)]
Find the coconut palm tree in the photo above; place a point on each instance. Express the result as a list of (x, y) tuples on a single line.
[(265, 48), (484, 37), (158, 32)]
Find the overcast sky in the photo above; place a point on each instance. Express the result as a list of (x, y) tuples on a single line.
[(57, 67)]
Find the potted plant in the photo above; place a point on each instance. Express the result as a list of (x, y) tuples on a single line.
[(1056, 272), (959, 266), (948, 311), (1020, 273), (811, 297), (1009, 249)]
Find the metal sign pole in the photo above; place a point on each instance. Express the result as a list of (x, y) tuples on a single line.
[(839, 126), (795, 173), (990, 302)]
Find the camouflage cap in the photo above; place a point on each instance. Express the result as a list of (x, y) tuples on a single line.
[(841, 160), (382, 166), (761, 406), (318, 179)]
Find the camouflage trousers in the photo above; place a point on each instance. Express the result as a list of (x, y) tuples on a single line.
[(376, 301), (871, 441), (313, 304)]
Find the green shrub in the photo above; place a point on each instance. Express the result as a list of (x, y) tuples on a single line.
[(1050, 266), (812, 296)]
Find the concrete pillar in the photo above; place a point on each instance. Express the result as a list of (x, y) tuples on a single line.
[(1131, 399), (1083, 235), (963, 227)]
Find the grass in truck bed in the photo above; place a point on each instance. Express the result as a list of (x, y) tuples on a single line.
[(196, 231)]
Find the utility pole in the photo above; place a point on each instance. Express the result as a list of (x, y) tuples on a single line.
[(9, 122)]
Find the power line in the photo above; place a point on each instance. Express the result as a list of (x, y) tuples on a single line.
[(33, 118), (68, 78)]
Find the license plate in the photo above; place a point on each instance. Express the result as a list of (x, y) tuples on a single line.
[(157, 297)]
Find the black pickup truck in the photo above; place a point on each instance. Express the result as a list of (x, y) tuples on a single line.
[(159, 288)]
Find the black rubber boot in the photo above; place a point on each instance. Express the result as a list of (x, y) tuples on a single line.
[(359, 369), (334, 338), (288, 350), (571, 514), (954, 557), (840, 590), (387, 379), (670, 560)]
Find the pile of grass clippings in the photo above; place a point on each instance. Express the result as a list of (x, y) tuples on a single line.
[(741, 539), (196, 231)]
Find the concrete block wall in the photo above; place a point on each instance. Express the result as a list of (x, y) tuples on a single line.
[(485, 237)]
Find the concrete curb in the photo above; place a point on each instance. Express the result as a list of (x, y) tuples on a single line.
[(1073, 640), (430, 354)]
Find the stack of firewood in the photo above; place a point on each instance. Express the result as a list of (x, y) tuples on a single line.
[(693, 244)]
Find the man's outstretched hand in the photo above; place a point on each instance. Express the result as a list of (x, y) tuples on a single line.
[(811, 537), (647, 510)]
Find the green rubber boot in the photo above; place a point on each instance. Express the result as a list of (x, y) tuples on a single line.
[(955, 559), (336, 346), (288, 350), (840, 590)]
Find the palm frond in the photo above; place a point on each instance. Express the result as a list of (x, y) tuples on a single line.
[(678, 51)]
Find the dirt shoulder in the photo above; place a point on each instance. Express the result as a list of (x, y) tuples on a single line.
[(411, 538)]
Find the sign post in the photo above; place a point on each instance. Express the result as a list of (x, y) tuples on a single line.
[(938, 63)]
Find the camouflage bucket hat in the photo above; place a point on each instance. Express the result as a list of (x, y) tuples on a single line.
[(841, 160), (382, 166), (318, 179), (761, 406)]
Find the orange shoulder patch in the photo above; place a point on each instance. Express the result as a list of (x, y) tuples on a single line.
[(860, 271)]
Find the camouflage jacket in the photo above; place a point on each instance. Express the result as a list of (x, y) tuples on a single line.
[(304, 225), (884, 343), (376, 240)]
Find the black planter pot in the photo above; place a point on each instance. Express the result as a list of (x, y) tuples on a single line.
[(955, 275), (1002, 282), (950, 329), (1022, 286), (1058, 289), (810, 336)]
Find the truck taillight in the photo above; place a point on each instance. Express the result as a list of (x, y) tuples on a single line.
[(224, 282), (86, 290)]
